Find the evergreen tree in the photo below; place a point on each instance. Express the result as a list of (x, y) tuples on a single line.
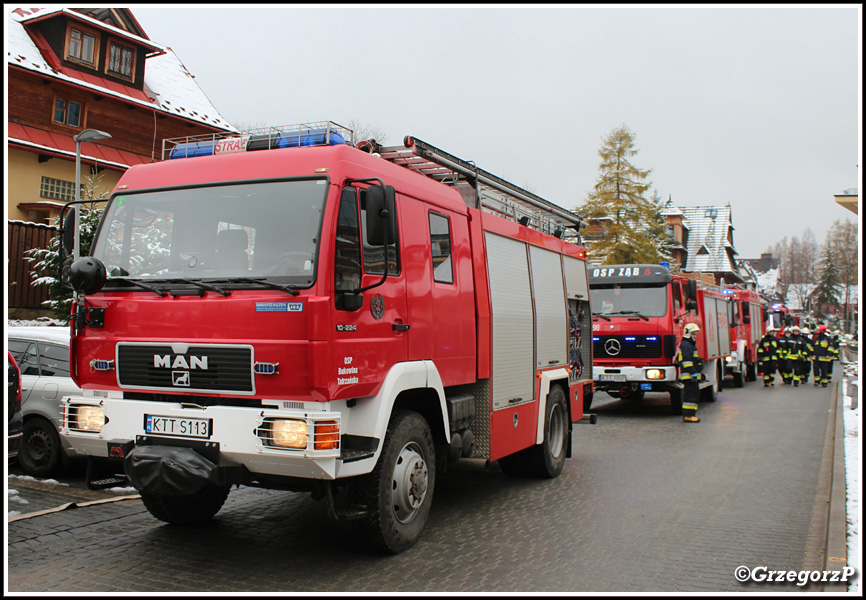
[(634, 229), (827, 291), (46, 261)]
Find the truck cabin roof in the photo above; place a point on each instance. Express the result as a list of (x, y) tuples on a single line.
[(631, 275)]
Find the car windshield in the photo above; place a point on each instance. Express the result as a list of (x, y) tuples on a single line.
[(622, 301), (257, 230)]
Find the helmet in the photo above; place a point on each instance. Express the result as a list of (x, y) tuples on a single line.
[(822, 328), (805, 331), (771, 329), (795, 329), (690, 329)]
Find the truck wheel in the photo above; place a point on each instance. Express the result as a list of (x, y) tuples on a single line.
[(676, 402), (751, 372), (587, 403), (41, 452), (399, 491), (627, 393), (739, 379), (544, 460), (186, 510)]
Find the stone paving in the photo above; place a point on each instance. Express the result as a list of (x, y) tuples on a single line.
[(647, 503)]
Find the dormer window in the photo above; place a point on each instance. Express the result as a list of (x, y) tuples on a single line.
[(121, 60), (82, 45)]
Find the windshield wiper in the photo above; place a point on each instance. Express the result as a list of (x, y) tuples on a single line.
[(600, 315), (143, 286), (199, 284), (629, 312), (261, 281)]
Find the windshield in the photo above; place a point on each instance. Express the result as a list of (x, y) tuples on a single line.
[(617, 300), (266, 230)]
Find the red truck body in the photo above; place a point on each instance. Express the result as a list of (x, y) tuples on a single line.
[(295, 362), (749, 316), (640, 313)]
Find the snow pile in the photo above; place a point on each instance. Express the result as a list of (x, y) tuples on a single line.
[(851, 419)]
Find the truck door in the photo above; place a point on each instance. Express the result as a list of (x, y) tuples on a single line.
[(370, 336)]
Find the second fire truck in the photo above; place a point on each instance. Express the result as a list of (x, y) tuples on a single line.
[(291, 311), (639, 315)]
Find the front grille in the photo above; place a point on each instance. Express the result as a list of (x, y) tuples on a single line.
[(195, 399), (627, 346), (226, 369)]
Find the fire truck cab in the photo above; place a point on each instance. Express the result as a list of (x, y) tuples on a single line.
[(748, 317), (322, 316)]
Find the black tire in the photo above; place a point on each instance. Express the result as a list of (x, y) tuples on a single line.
[(544, 460), (676, 402), (751, 372), (399, 491), (587, 403), (187, 510), (41, 453), (739, 379)]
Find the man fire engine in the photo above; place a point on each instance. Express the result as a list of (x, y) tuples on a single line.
[(316, 317), (640, 313)]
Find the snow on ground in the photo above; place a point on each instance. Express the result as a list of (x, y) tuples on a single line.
[(853, 467)]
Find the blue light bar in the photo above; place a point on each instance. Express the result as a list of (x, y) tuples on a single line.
[(285, 139), (630, 339)]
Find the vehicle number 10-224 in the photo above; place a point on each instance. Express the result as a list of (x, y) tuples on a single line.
[(177, 426)]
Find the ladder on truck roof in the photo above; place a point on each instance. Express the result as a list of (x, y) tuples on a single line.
[(481, 189)]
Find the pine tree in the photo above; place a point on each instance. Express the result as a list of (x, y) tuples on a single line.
[(827, 291), (634, 230), (46, 261)]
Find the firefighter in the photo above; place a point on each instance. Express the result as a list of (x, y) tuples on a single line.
[(768, 355), (806, 358), (824, 356), (691, 365), (789, 354)]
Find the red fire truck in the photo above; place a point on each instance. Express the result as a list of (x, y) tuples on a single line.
[(638, 319), (319, 317), (748, 317)]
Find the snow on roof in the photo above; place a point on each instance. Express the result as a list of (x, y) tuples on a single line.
[(168, 86), (709, 229), (43, 333)]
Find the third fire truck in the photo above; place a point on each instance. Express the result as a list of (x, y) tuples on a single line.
[(289, 310), (748, 317), (639, 315)]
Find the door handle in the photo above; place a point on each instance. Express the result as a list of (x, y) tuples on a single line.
[(400, 327)]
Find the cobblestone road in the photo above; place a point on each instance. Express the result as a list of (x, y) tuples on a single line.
[(646, 504)]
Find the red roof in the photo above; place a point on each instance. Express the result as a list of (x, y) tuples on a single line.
[(63, 145)]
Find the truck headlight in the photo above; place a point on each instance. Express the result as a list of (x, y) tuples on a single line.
[(730, 359), (284, 433), (654, 374), (86, 417)]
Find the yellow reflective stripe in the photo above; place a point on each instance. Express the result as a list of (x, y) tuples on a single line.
[(685, 365), (690, 406)]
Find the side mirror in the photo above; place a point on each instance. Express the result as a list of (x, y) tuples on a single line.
[(381, 215), (67, 242), (692, 292), (87, 275), (350, 302), (691, 305)]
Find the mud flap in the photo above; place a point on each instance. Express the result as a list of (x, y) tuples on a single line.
[(169, 470)]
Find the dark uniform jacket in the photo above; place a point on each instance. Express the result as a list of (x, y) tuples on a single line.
[(824, 348), (688, 360), (768, 348)]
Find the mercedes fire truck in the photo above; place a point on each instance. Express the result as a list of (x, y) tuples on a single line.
[(748, 316), (639, 315), (289, 310)]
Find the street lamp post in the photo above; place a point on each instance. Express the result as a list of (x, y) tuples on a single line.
[(88, 135)]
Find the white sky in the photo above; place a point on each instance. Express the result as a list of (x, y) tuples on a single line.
[(756, 106)]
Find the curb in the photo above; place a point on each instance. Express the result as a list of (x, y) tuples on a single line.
[(836, 547)]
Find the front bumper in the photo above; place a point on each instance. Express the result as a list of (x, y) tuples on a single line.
[(657, 377), (233, 437), (14, 445)]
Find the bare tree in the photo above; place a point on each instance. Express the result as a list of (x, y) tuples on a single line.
[(842, 238), (365, 131)]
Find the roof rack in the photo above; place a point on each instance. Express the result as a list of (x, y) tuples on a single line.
[(479, 188), (319, 133)]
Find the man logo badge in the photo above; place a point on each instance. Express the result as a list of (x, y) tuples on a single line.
[(180, 378)]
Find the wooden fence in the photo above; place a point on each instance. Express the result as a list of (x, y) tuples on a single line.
[(21, 237)]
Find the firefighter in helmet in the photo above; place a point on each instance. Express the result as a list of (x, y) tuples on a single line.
[(789, 354), (825, 354), (691, 365), (806, 357), (768, 355)]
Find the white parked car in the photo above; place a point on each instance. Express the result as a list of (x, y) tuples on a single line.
[(42, 354)]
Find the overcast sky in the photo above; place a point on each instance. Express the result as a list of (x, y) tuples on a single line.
[(756, 106)]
